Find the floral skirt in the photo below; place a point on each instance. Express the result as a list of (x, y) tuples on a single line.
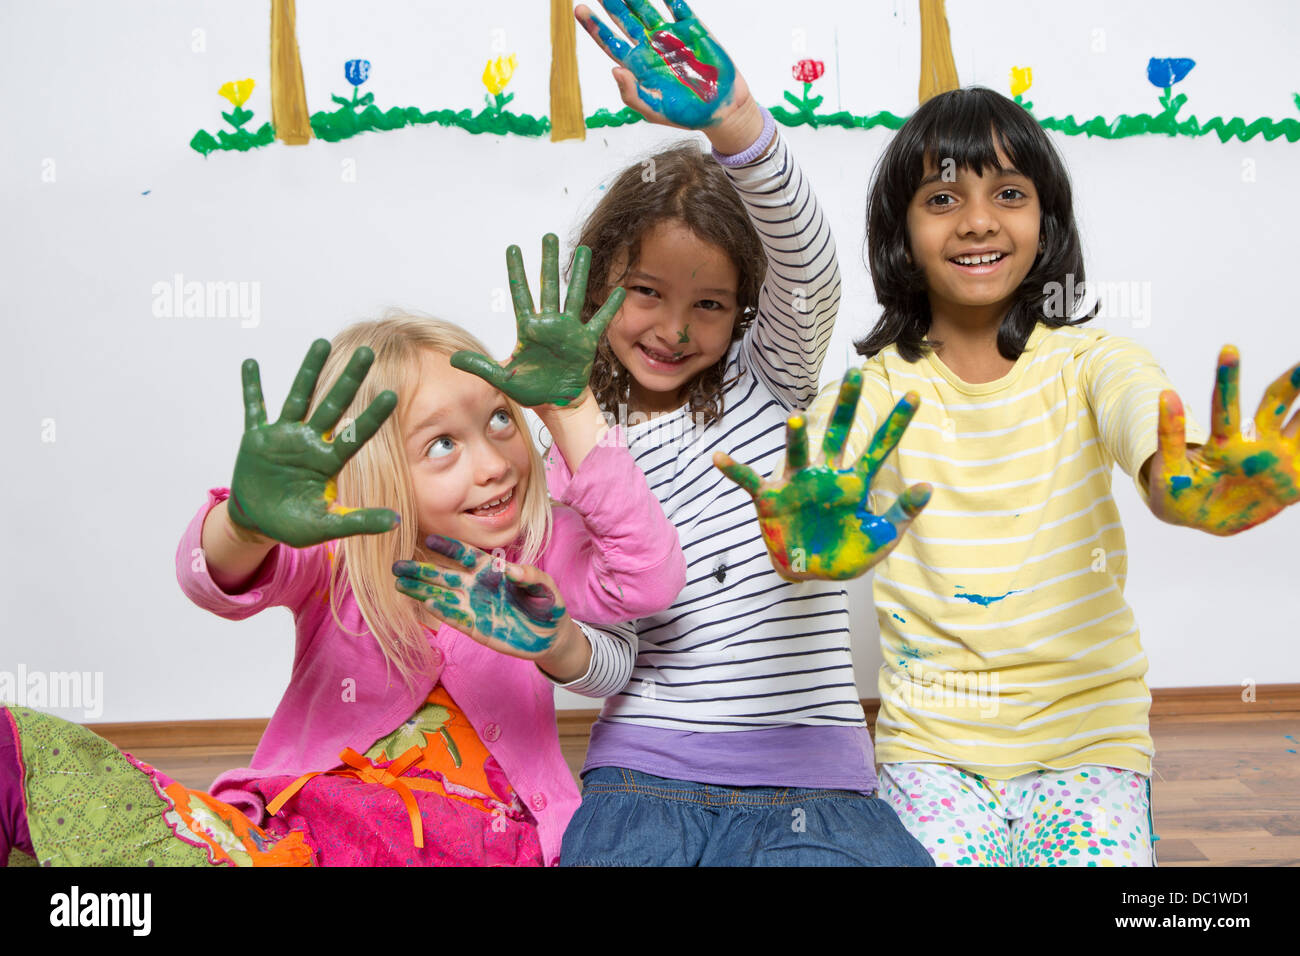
[(89, 804)]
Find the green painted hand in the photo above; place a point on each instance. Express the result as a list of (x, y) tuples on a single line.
[(551, 364), (513, 609), (1233, 482), (815, 520), (672, 73), (284, 485)]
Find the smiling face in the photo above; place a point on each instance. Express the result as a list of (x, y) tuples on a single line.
[(975, 238), (677, 319), (469, 460)]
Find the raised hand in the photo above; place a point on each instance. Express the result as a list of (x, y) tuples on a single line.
[(513, 609), (1233, 482), (284, 485), (815, 520), (675, 73), (552, 360)]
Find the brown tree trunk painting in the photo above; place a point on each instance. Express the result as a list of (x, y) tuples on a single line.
[(289, 114), (938, 71), (567, 121)]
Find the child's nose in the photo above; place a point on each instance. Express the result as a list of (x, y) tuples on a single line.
[(979, 217), (489, 464)]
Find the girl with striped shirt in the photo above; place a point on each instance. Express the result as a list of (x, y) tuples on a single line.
[(731, 731)]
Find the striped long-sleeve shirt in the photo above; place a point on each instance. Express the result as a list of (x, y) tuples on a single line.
[(740, 649), (1008, 644)]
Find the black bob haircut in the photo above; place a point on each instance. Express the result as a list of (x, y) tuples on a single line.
[(967, 126)]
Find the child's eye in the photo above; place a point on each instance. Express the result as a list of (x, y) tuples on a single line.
[(710, 305), (643, 290), (500, 420), (941, 199), (440, 448), (1014, 193)]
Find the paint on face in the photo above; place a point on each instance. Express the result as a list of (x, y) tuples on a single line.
[(684, 336)]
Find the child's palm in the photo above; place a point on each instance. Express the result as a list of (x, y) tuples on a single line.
[(552, 360), (1234, 482), (683, 75), (513, 610), (815, 521), (284, 482)]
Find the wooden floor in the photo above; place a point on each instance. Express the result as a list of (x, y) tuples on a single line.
[(1226, 787)]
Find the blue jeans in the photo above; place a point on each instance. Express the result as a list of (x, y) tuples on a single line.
[(630, 818)]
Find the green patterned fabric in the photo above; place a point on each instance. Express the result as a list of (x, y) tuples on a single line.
[(87, 805)]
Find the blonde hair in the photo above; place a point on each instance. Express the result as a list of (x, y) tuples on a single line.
[(379, 476)]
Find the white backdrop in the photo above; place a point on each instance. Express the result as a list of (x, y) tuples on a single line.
[(103, 198)]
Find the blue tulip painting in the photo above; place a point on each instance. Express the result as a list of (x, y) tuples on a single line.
[(355, 72), (1164, 73)]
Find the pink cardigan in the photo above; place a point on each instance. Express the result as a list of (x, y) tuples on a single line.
[(614, 556)]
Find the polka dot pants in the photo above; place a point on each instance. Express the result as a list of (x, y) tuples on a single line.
[(1085, 816)]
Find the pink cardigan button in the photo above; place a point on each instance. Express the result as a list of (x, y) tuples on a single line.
[(491, 732), (435, 657), (538, 801)]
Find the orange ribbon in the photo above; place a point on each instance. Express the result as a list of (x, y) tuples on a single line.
[(365, 771)]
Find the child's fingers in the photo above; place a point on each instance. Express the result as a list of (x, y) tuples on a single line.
[(680, 10), (605, 38), (428, 573), (647, 14), (254, 405), (1171, 435), (627, 20), (1278, 398), (340, 396), (465, 554), (445, 605), (741, 474), (846, 406), (349, 442), (304, 383), (345, 524), (480, 365), (577, 294), (550, 274), (519, 294), (911, 501), (796, 445), (605, 314), (888, 435), (1226, 411)]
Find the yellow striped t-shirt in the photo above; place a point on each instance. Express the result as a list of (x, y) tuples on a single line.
[(1008, 644)]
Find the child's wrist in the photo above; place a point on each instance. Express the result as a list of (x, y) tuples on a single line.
[(569, 657), (743, 137)]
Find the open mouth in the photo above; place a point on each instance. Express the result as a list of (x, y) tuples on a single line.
[(495, 507), (663, 360), (979, 262)]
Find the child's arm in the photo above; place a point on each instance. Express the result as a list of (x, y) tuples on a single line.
[(677, 74), (615, 554), (1231, 483)]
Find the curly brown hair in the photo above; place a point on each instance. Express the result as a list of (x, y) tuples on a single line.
[(679, 183)]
